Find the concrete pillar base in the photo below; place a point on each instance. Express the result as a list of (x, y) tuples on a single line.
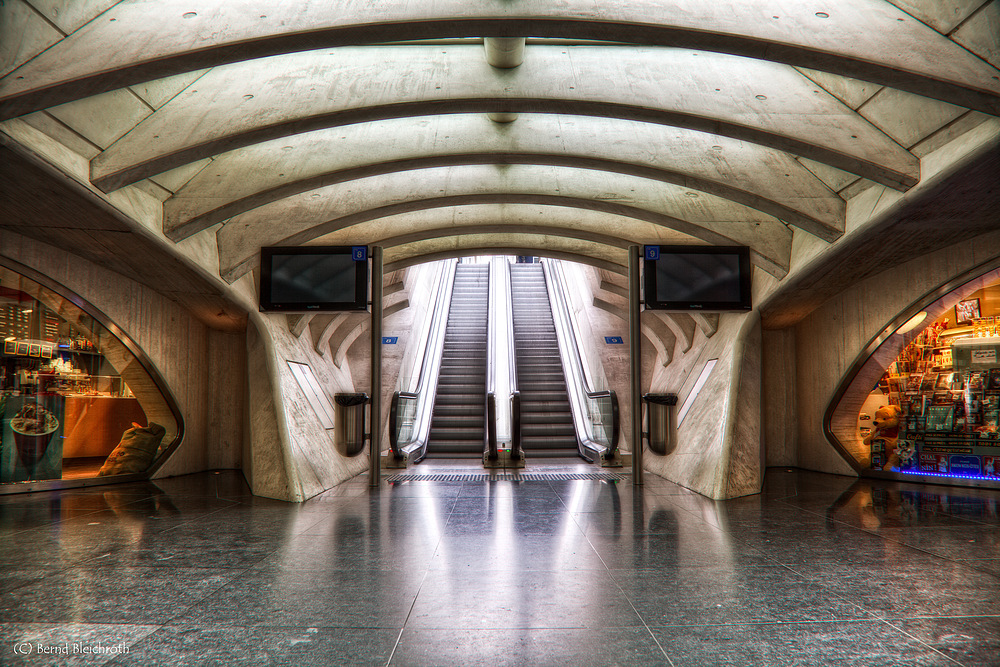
[(390, 462), (503, 461)]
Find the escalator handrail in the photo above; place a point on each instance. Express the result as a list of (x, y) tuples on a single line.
[(577, 382), (489, 416), (515, 395), (430, 367)]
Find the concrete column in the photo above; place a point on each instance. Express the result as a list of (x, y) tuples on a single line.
[(374, 450), (635, 362), (504, 53)]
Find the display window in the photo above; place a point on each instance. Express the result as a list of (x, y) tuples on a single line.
[(935, 411), (77, 401)]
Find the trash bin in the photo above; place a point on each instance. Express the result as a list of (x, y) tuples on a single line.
[(349, 423), (660, 419)]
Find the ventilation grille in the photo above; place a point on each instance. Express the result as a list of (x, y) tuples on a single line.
[(511, 477)]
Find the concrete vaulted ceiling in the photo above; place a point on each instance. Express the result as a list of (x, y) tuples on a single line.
[(257, 123)]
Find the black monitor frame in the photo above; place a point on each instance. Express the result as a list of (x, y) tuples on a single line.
[(267, 304), (744, 303)]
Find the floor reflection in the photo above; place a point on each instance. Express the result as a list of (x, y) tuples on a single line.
[(587, 571)]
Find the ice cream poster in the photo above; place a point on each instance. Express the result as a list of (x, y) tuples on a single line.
[(31, 446)]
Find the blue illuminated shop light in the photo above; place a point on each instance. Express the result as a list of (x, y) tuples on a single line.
[(948, 475)]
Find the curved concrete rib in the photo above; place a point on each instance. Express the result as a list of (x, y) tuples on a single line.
[(404, 261), (345, 343), (536, 230), (579, 223), (864, 39), (233, 264), (663, 352), (707, 322), (323, 340), (768, 180), (681, 325), (619, 311), (665, 340), (307, 217), (504, 240), (395, 307), (297, 326), (761, 102), (332, 327)]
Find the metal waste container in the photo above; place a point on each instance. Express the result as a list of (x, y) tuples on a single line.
[(349, 423), (660, 421)]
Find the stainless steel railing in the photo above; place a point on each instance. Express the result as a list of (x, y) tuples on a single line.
[(490, 416), (595, 413), (410, 412)]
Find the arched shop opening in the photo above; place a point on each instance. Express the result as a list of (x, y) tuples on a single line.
[(922, 402), (79, 403)]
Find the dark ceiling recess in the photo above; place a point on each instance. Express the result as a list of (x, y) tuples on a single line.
[(49, 207)]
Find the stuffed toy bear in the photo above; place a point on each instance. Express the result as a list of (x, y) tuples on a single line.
[(885, 427)]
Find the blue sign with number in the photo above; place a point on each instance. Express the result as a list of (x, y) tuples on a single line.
[(359, 253), (390, 340), (614, 340), (965, 465), (652, 252)]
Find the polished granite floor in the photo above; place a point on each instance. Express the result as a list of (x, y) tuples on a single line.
[(816, 570)]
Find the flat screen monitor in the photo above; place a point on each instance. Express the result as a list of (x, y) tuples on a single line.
[(313, 278), (709, 278)]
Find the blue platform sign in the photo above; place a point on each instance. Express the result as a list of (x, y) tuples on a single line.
[(965, 465), (652, 252), (614, 340), (390, 340), (359, 253)]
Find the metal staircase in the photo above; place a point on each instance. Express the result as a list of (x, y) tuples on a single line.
[(546, 417), (458, 423)]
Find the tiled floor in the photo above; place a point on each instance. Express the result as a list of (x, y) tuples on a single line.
[(817, 570)]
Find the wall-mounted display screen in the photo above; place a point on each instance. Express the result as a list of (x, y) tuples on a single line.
[(313, 278), (708, 278)]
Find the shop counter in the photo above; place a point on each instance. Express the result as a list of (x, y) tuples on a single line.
[(93, 425)]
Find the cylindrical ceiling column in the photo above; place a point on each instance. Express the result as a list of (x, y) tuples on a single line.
[(504, 53)]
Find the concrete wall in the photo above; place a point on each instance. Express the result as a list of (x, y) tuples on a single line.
[(291, 455), (779, 392), (828, 342), (204, 369), (718, 444)]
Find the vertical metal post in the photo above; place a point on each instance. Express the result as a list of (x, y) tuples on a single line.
[(375, 423), (635, 362)]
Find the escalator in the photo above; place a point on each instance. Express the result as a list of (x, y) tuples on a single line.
[(536, 398), (458, 421), (546, 419)]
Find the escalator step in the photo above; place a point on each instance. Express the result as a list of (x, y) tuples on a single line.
[(457, 423)]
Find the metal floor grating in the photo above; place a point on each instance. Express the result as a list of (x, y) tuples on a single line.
[(509, 477)]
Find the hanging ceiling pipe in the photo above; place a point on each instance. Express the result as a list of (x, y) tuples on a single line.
[(504, 53)]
